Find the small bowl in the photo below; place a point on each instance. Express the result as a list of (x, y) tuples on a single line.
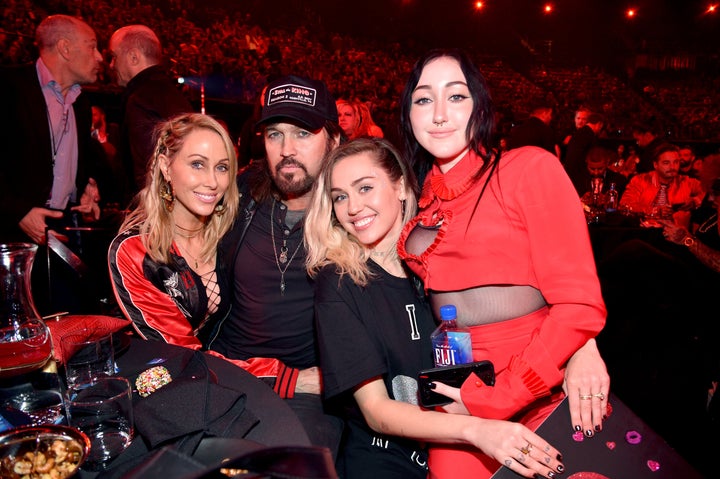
[(40, 440)]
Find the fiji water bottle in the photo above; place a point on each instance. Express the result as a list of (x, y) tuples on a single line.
[(451, 344)]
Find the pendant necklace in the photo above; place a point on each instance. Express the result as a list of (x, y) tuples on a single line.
[(183, 250), (282, 258)]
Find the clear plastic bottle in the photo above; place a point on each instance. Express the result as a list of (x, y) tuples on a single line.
[(451, 344), (612, 199)]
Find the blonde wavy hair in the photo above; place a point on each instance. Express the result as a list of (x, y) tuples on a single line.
[(152, 218), (326, 241)]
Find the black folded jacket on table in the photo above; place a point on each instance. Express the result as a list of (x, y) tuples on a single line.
[(210, 412)]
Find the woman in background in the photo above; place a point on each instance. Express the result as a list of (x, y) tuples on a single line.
[(356, 121)]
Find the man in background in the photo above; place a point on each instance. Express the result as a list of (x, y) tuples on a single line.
[(597, 172), (687, 158), (582, 141), (648, 139), (536, 131), (663, 192), (150, 96), (50, 162)]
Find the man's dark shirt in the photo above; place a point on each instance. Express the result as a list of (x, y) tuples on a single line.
[(577, 149), (533, 132), (150, 97), (264, 322)]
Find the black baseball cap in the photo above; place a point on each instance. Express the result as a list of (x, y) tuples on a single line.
[(298, 98)]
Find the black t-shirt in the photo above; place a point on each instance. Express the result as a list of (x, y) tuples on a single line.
[(265, 321), (382, 329)]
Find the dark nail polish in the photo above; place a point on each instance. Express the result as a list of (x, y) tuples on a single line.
[(597, 428), (559, 457), (432, 385), (589, 433), (551, 475), (537, 476), (604, 417), (578, 428), (560, 468)]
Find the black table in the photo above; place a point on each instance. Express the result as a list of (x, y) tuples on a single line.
[(625, 448), (277, 426)]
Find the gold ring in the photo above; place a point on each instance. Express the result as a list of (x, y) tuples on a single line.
[(526, 450), (600, 396), (586, 397)]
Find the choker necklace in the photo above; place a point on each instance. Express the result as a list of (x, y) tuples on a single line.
[(383, 254), (283, 256), (193, 233)]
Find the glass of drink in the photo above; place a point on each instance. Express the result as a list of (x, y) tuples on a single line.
[(30, 382), (87, 355), (102, 410)]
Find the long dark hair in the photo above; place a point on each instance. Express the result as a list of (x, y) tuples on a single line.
[(480, 128)]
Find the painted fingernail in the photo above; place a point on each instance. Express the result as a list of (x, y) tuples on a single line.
[(432, 385), (559, 457), (551, 475), (578, 428), (597, 428), (560, 468), (589, 433), (537, 476), (604, 417)]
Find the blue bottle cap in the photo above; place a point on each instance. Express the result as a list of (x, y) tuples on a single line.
[(448, 312)]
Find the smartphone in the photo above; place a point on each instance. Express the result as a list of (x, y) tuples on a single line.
[(452, 376)]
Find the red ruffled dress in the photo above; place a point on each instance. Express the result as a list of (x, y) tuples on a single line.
[(528, 229)]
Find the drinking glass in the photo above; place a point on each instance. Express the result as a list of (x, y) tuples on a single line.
[(102, 410), (88, 355)]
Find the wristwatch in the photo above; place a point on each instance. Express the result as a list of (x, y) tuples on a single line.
[(689, 241)]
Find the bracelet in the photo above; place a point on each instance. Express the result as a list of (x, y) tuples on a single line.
[(689, 241)]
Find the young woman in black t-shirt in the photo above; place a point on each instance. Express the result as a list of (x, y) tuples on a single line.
[(374, 326)]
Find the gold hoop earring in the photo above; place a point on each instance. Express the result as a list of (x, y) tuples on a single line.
[(167, 195)]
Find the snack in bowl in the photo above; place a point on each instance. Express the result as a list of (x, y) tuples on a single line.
[(39, 452)]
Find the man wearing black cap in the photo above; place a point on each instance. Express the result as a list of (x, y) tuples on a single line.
[(270, 325)]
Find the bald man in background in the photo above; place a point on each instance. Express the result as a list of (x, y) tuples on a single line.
[(151, 96)]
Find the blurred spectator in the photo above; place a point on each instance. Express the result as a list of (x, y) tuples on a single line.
[(535, 131), (581, 142), (580, 120), (150, 97), (647, 136), (663, 193), (355, 120), (598, 173), (687, 157), (108, 135)]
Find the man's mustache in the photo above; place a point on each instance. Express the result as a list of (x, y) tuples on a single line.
[(290, 161)]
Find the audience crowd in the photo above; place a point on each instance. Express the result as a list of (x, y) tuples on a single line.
[(235, 57)]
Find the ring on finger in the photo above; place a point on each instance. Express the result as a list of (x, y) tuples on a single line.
[(600, 396), (526, 450), (586, 397)]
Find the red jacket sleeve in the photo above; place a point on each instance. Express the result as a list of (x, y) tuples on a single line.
[(565, 272), (156, 316)]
